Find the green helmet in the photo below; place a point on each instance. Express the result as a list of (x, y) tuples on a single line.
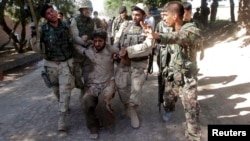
[(85, 4)]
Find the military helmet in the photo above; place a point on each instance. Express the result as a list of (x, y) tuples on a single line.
[(85, 4), (143, 7)]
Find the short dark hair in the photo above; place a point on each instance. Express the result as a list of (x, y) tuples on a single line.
[(44, 8), (174, 7), (187, 5), (99, 33), (61, 13)]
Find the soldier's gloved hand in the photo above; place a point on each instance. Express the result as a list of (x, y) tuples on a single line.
[(84, 38)]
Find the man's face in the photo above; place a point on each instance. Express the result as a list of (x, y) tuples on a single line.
[(168, 18), (99, 43), (123, 15), (137, 16), (187, 15), (59, 16), (86, 12), (51, 15)]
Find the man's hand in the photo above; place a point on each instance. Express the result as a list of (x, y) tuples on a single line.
[(149, 32)]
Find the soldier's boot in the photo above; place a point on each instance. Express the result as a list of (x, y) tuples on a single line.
[(62, 121), (135, 123)]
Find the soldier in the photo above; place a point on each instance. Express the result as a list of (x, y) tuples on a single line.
[(164, 54), (130, 73), (100, 84), (82, 27), (56, 47), (187, 17), (98, 22), (119, 20), (182, 69)]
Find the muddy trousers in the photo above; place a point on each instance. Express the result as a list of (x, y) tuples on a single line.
[(97, 108)]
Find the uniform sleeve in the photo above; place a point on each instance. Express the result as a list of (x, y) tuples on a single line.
[(182, 37), (75, 33), (140, 50)]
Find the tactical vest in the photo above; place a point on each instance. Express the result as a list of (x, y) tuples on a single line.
[(85, 27), (57, 42), (132, 36)]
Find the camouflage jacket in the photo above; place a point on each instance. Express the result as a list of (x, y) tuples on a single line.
[(57, 42), (137, 52), (188, 39), (80, 28), (117, 24)]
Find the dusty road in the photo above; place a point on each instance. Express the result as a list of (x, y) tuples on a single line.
[(28, 110)]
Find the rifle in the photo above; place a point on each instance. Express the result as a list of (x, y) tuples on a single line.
[(161, 81), (150, 63)]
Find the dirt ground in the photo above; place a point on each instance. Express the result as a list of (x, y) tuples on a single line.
[(29, 110)]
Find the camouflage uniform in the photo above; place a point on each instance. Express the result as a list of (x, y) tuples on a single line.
[(82, 25), (130, 78), (164, 54), (182, 73), (81, 63), (56, 47), (117, 24), (57, 50)]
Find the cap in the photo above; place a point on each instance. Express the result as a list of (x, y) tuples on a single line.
[(141, 6), (122, 9), (44, 9)]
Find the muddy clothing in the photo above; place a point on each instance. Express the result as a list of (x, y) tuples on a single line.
[(182, 74), (100, 89), (130, 79), (56, 47), (81, 63)]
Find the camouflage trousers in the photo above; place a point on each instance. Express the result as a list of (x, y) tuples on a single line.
[(96, 105), (188, 95), (81, 70), (129, 82), (62, 80), (77, 71)]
